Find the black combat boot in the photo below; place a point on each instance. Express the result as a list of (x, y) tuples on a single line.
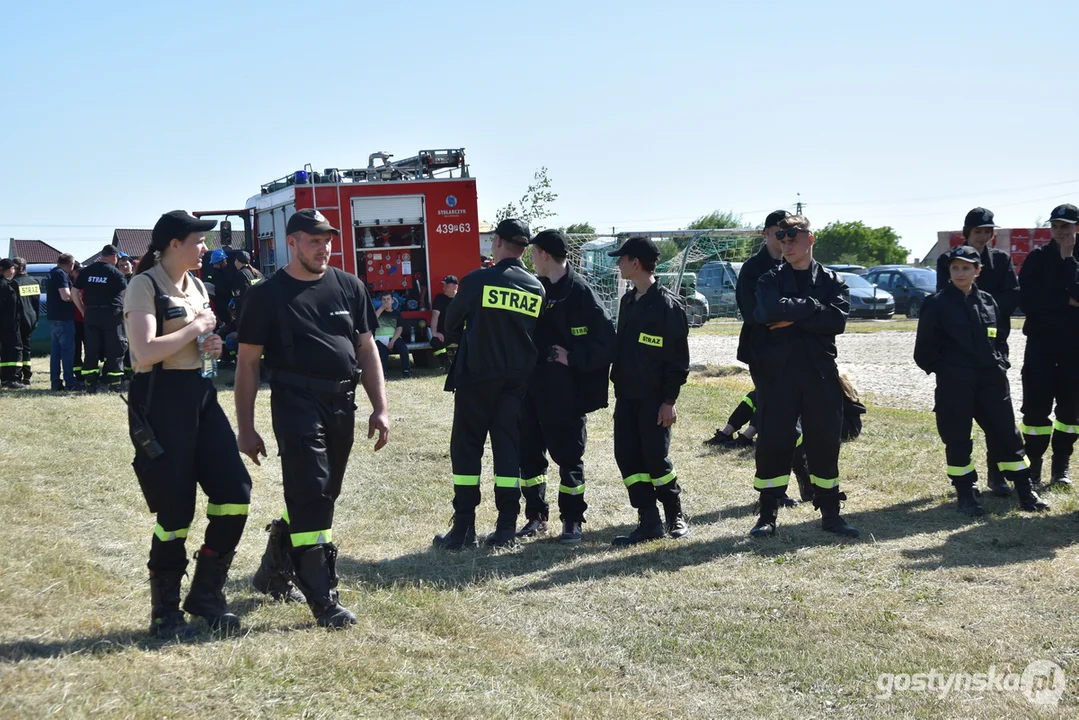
[(998, 486), (274, 576), (166, 618), (1059, 470), (642, 496), (537, 511), (316, 574), (967, 504), (461, 536), (1028, 499), (827, 501), (206, 597), (27, 373), (1035, 471), (505, 534), (670, 496), (769, 513)]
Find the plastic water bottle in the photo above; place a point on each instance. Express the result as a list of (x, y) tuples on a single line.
[(209, 362), (412, 334)]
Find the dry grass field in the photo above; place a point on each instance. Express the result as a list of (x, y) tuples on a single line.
[(716, 625)]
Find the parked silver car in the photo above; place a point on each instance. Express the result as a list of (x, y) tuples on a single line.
[(866, 299)]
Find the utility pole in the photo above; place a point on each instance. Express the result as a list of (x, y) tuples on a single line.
[(798, 205)]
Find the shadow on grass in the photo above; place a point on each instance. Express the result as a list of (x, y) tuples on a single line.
[(124, 640), (1005, 537)]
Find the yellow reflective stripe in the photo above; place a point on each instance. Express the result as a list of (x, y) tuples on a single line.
[(798, 442), (1035, 429), (440, 352), (826, 483), (116, 374), (92, 371), (764, 483), (960, 470), (28, 290), (1013, 466), (254, 281), (215, 510), (1061, 427), (165, 535), (502, 298), (992, 331), (749, 401), (579, 331), (660, 481), (503, 481), (651, 340), (11, 364), (284, 515), (638, 478), (533, 481), (315, 537), (567, 490), (466, 479)]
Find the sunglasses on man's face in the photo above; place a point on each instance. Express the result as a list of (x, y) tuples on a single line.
[(792, 233)]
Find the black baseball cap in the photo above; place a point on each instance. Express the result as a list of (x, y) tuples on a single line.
[(110, 251), (177, 224), (311, 222), (1066, 212), (552, 241), (979, 217), (641, 248), (511, 229), (774, 218), (966, 253), (450, 279)]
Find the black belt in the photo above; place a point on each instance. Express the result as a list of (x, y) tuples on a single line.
[(314, 384)]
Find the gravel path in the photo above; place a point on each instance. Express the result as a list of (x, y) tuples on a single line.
[(881, 365)]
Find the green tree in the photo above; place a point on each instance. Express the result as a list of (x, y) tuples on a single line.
[(841, 242), (717, 220), (579, 229), (534, 204)]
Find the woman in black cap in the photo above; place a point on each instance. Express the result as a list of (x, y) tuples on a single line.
[(181, 436)]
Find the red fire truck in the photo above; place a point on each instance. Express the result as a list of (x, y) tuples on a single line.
[(404, 225)]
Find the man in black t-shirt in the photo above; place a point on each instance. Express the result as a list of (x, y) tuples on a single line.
[(438, 319), (61, 309), (313, 324), (104, 288)]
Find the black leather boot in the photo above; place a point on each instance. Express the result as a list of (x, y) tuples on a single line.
[(1028, 499), (769, 513), (274, 576), (827, 501), (998, 486), (642, 496), (316, 575), (166, 618), (206, 597), (670, 497), (1059, 470), (505, 534), (967, 504), (461, 536)]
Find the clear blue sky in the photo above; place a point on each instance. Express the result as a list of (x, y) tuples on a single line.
[(647, 114)]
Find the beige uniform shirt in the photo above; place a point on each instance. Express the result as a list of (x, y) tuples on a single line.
[(185, 302)]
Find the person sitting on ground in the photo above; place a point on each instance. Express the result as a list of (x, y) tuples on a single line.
[(388, 335)]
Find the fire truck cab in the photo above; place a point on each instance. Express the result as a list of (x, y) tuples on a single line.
[(404, 226)]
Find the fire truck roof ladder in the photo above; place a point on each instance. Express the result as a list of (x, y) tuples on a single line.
[(425, 164)]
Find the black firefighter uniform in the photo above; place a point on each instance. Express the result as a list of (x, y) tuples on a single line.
[(559, 397), (959, 340), (28, 308), (651, 366), (1046, 283), (493, 319)]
